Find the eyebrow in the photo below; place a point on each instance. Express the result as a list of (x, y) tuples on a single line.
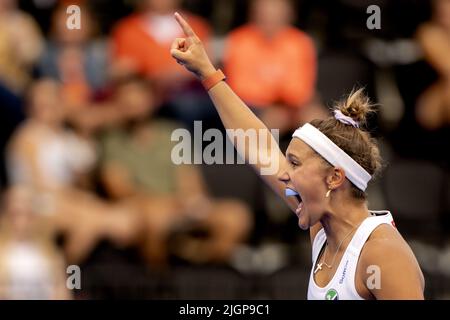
[(292, 156)]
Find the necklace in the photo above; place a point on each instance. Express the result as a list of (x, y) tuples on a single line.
[(319, 265)]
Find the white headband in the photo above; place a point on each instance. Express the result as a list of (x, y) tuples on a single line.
[(333, 154)]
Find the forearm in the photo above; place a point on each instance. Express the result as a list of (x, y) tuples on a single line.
[(235, 114)]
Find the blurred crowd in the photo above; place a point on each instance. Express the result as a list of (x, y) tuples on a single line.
[(86, 117)]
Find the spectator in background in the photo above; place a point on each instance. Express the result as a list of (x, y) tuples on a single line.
[(141, 44), (433, 107), (21, 44), (75, 57), (31, 267), (137, 169), (43, 154), (271, 64), (50, 159)]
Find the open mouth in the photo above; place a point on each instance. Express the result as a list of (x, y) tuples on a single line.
[(292, 193)]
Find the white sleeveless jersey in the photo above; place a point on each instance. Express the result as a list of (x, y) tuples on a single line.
[(342, 285)]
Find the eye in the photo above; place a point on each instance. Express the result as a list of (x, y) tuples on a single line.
[(293, 164)]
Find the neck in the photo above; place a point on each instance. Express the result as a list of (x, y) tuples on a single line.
[(341, 220), (160, 12), (267, 31)]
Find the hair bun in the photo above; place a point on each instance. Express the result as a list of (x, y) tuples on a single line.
[(356, 106)]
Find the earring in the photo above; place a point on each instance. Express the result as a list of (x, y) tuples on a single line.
[(327, 195)]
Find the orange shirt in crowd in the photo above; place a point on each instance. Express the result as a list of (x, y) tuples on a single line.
[(265, 71), (145, 41)]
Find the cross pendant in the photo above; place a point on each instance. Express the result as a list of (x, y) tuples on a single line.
[(318, 267)]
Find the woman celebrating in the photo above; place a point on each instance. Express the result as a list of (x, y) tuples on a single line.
[(357, 253)]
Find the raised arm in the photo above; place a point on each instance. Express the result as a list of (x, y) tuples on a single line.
[(234, 113)]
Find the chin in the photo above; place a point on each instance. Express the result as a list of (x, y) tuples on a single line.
[(303, 223), (303, 227)]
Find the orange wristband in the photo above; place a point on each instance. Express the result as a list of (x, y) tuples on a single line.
[(213, 79)]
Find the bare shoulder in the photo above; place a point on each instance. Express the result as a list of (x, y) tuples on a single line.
[(388, 254), (384, 240), (25, 137), (25, 132)]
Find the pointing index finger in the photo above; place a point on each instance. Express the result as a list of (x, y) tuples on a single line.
[(185, 26)]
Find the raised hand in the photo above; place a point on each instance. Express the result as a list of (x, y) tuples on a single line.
[(190, 52)]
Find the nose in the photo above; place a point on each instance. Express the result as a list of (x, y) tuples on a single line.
[(284, 176)]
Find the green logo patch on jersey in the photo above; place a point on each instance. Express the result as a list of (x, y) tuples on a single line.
[(332, 295)]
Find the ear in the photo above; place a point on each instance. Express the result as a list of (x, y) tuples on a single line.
[(335, 178)]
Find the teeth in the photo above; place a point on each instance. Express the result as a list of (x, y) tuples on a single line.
[(299, 208)]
